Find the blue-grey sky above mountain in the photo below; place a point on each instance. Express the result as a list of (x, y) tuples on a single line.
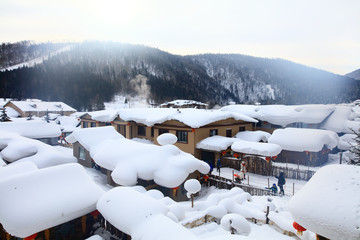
[(323, 33)]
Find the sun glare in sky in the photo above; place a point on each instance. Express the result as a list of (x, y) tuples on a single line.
[(323, 33)]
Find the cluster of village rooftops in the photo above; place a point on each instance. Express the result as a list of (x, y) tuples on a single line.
[(157, 148)]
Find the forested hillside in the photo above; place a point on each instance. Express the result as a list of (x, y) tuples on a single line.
[(92, 72), (354, 74)]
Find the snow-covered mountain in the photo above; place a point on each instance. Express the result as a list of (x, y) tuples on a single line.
[(90, 73), (354, 74)]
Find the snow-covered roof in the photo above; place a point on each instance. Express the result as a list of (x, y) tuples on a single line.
[(142, 216), (15, 169), (347, 141), (194, 118), (302, 139), (253, 136), (32, 129), (284, 114), (129, 160), (40, 106), (104, 115), (343, 119), (181, 103), (256, 148), (216, 143), (329, 203), (68, 123), (54, 195), (15, 148)]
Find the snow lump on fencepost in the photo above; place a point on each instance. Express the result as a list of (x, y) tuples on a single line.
[(192, 186)]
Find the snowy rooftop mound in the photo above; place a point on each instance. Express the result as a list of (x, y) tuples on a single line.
[(104, 115), (283, 115), (193, 118), (256, 148), (32, 129), (54, 195), (15, 169), (329, 203), (38, 105), (301, 139), (91, 137), (167, 165), (346, 141), (142, 216), (343, 119), (216, 143), (253, 136), (15, 148), (68, 124)]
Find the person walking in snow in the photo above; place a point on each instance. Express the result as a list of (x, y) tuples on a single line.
[(218, 165), (243, 170), (281, 182), (273, 189)]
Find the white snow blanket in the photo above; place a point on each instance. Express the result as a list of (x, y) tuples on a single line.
[(104, 115), (15, 148), (216, 143), (347, 141), (343, 119), (16, 169), (129, 160), (193, 118), (67, 123), (182, 103), (38, 200), (40, 106), (284, 115), (253, 136), (142, 216), (329, 204), (256, 148), (302, 139), (32, 129)]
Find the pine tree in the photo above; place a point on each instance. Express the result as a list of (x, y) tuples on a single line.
[(4, 117), (356, 149)]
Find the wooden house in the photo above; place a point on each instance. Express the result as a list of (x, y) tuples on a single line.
[(39, 108)]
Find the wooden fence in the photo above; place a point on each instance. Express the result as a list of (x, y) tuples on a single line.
[(224, 183), (293, 173)]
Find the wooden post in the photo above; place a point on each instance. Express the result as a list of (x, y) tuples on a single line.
[(267, 214), (293, 188), (192, 200), (248, 178), (233, 175), (268, 183)]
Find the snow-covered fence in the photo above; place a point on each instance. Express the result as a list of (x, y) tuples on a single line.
[(224, 183), (293, 173)]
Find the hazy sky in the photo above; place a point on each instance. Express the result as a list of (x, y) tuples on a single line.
[(320, 33)]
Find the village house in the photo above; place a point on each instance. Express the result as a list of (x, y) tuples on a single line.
[(128, 162), (53, 203), (38, 108)]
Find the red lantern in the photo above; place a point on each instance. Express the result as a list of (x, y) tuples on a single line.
[(193, 130), (223, 153), (95, 213), (274, 157), (32, 237), (307, 152), (268, 159), (206, 177), (300, 229), (176, 188), (111, 122), (128, 124), (236, 155)]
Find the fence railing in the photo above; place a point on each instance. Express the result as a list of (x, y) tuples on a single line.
[(225, 183), (293, 173)]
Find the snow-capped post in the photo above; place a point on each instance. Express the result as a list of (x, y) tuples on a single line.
[(235, 223), (192, 186)]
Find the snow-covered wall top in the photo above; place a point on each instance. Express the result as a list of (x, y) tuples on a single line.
[(129, 160), (343, 119), (32, 129), (329, 203), (142, 216), (21, 149), (216, 143), (302, 139), (54, 195), (253, 136), (194, 118), (256, 148), (283, 115), (104, 115), (38, 105)]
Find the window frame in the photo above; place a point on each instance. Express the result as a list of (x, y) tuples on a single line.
[(182, 136), (82, 153), (211, 131), (141, 130)]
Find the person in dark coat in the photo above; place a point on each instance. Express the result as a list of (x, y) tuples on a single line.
[(218, 165), (281, 182)]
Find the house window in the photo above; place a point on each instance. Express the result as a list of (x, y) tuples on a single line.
[(182, 136), (242, 129), (228, 133), (213, 132), (141, 130), (152, 131), (85, 124), (93, 124), (161, 131), (82, 155)]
